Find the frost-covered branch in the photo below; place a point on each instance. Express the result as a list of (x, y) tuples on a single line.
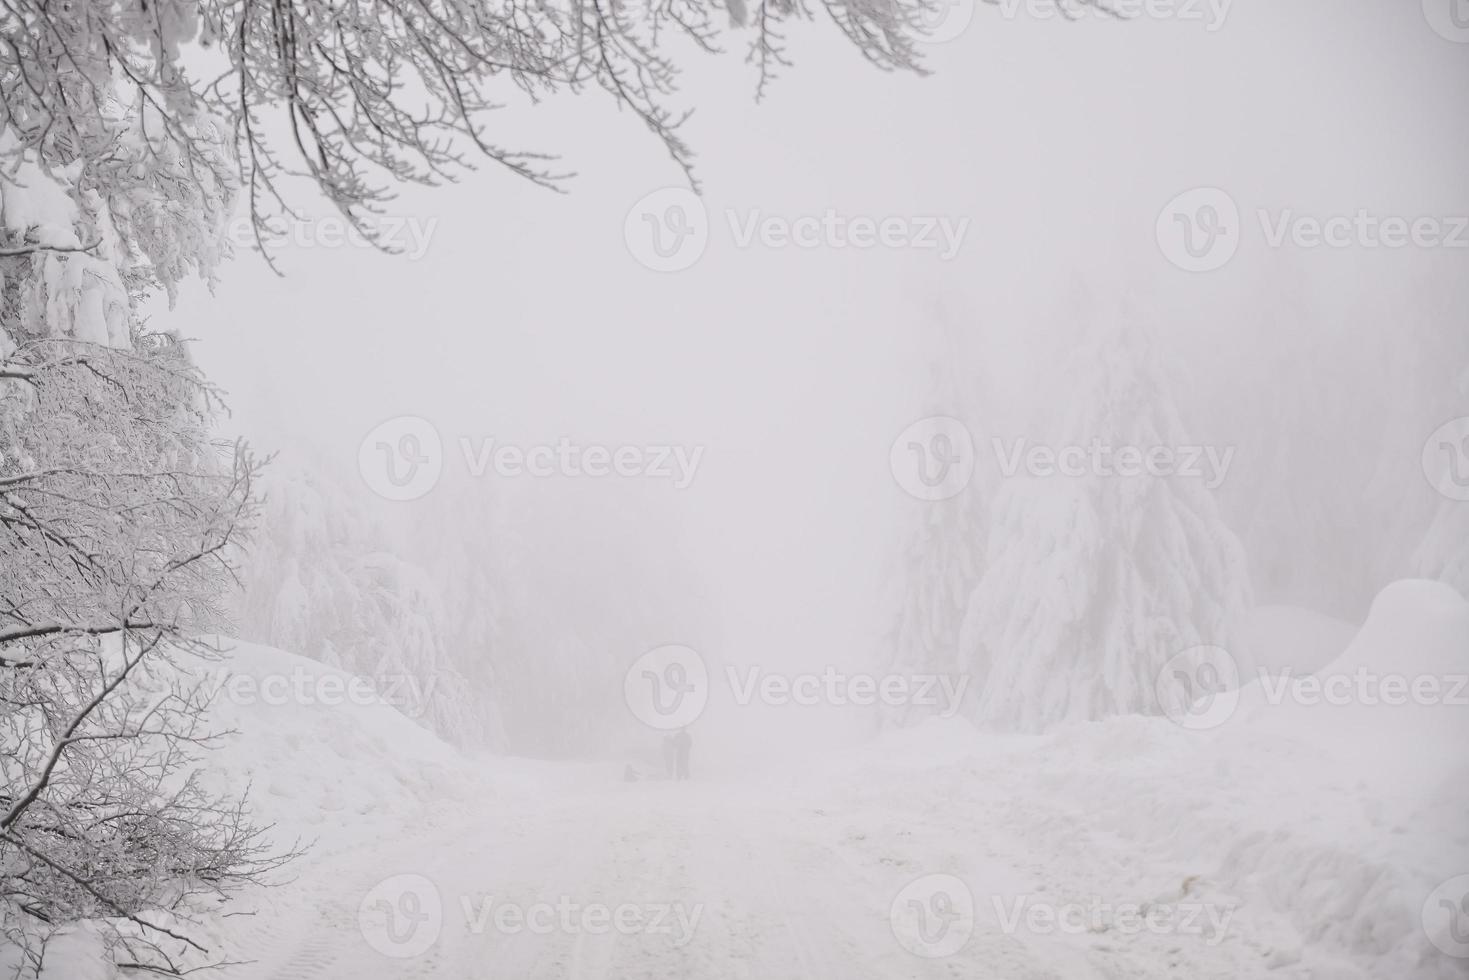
[(14, 250), (119, 521), (354, 99)]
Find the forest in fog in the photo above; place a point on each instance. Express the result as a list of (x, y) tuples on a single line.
[(604, 490)]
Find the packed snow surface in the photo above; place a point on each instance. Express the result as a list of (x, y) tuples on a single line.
[(1293, 839)]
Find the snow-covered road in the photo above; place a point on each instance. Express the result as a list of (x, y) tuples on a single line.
[(1295, 841), (729, 880)]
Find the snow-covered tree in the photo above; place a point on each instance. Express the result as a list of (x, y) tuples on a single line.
[(944, 548), (117, 528), (1093, 582), (360, 96), (119, 517), (326, 580), (513, 614)]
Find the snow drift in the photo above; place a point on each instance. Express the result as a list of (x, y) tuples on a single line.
[(1339, 816), (321, 750)]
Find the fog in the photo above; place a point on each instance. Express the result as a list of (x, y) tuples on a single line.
[(1003, 519), (520, 315)]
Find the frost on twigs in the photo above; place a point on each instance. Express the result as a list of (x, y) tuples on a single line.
[(119, 520), (354, 99)]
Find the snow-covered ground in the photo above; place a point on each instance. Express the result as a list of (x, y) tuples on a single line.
[(1289, 840)]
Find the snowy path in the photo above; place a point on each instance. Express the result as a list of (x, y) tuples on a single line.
[(729, 881)]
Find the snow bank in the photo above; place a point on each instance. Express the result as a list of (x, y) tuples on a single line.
[(325, 763), (322, 754), (1414, 624), (1342, 815), (1380, 735)]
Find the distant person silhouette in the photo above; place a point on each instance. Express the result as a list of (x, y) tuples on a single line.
[(670, 755), (681, 743)]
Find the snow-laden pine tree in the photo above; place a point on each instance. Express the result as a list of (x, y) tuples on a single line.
[(328, 581), (944, 543), (457, 543), (1093, 582)]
